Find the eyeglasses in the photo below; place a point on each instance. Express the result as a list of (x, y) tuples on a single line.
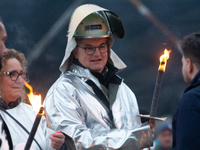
[(91, 49), (14, 75)]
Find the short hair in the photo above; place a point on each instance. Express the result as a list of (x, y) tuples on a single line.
[(190, 46), (12, 53)]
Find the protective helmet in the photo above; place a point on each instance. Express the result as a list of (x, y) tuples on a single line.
[(109, 23), (94, 25)]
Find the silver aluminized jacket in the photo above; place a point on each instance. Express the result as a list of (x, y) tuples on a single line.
[(26, 116), (73, 108)]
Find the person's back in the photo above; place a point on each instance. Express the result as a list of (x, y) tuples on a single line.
[(186, 120)]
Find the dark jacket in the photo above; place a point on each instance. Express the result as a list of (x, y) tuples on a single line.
[(186, 120)]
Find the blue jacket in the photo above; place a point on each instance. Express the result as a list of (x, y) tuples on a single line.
[(186, 120)]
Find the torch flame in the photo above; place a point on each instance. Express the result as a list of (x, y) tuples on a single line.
[(163, 60), (35, 100)]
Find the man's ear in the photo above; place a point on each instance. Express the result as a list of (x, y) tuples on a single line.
[(75, 53), (189, 66)]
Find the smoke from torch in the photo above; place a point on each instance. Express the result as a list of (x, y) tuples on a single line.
[(144, 11)]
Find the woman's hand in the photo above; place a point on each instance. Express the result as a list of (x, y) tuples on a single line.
[(57, 140)]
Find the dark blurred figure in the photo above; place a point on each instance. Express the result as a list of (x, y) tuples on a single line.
[(186, 128), (163, 139), (3, 37)]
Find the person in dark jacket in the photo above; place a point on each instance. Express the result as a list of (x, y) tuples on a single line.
[(186, 128)]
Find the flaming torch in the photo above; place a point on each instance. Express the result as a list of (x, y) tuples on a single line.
[(35, 101), (161, 70)]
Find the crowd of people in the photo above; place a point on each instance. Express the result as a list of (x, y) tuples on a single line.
[(89, 106)]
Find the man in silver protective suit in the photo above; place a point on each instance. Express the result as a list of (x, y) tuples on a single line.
[(89, 102)]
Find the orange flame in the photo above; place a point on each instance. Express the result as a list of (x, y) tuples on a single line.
[(35, 100), (163, 60)]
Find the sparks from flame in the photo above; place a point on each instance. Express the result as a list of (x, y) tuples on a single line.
[(163, 60), (34, 99)]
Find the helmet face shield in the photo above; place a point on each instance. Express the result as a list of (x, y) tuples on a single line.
[(116, 25)]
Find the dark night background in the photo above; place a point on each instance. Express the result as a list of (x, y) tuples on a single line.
[(28, 21)]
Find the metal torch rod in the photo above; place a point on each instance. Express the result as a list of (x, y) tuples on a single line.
[(34, 129), (157, 88)]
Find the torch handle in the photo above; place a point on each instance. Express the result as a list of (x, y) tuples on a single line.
[(33, 130), (154, 103)]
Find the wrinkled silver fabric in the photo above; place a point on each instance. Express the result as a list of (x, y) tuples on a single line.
[(73, 108), (26, 116)]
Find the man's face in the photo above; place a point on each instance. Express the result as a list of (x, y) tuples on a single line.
[(3, 37), (97, 60)]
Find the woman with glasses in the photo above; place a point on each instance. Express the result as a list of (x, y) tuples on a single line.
[(89, 102), (18, 117)]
